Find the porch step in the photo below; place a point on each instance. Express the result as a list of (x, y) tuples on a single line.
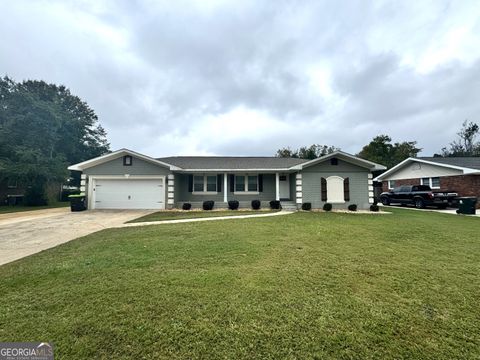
[(288, 205)]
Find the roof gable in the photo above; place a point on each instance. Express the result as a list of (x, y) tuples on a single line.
[(440, 162), (115, 155), (355, 160)]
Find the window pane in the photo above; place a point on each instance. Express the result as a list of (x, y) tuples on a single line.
[(198, 183), (252, 183), (435, 182), (425, 181), (239, 183), (391, 184), (211, 183)]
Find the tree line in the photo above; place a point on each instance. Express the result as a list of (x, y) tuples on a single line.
[(43, 129), (381, 149)]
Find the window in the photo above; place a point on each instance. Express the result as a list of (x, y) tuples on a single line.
[(433, 182), (211, 183), (334, 161), (12, 183), (282, 178), (246, 183), (391, 184), (198, 183), (239, 183), (205, 183), (127, 160), (252, 183)]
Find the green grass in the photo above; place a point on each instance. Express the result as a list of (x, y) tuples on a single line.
[(300, 286), (4, 209), (191, 214)]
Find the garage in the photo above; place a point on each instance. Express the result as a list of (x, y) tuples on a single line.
[(128, 194)]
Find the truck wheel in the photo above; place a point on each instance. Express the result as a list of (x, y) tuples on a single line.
[(385, 201), (419, 204)]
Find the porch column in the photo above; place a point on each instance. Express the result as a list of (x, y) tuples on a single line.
[(225, 189), (277, 186)]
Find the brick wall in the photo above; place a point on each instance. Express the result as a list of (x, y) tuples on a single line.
[(464, 185)]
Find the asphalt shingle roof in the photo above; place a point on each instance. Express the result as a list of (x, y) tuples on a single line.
[(231, 162), (467, 162)]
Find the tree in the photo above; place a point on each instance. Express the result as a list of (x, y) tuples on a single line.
[(382, 151), (465, 145), (311, 152), (43, 128)]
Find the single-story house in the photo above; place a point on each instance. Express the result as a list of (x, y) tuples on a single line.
[(125, 179), (459, 174)]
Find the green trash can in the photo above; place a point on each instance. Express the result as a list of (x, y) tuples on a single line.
[(77, 202), (466, 205)]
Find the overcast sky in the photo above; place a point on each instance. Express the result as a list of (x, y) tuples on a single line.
[(248, 77)]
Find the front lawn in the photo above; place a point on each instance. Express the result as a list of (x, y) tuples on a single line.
[(192, 214), (300, 286)]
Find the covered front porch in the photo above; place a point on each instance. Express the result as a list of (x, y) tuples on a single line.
[(197, 187)]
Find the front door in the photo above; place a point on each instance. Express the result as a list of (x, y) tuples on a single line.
[(284, 188)]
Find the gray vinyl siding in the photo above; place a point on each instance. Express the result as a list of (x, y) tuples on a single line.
[(138, 167), (358, 179), (182, 194)]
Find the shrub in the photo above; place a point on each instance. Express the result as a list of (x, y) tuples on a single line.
[(374, 208), (186, 206), (36, 196), (307, 206), (233, 204), (275, 205), (352, 207), (208, 205), (327, 207), (256, 204)]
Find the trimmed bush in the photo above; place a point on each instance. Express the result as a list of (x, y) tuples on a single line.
[(307, 206), (374, 208), (208, 205), (36, 196), (327, 207), (275, 205), (352, 207), (256, 204), (233, 204), (186, 206)]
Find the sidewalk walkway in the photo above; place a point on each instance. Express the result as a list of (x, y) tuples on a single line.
[(279, 213)]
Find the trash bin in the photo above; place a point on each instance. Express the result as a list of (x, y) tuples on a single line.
[(466, 205), (77, 202)]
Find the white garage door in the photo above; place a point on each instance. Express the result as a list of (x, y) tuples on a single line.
[(129, 194)]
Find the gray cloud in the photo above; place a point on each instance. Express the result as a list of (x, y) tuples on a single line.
[(229, 77)]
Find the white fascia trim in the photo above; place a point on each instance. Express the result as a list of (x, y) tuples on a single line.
[(116, 154), (239, 171), (370, 165), (411, 159)]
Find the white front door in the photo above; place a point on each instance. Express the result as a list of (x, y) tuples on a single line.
[(128, 194), (284, 187)]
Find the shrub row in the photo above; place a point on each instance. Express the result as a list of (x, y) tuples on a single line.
[(234, 205), (328, 207), (274, 204)]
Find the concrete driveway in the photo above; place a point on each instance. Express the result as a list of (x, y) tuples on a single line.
[(26, 233)]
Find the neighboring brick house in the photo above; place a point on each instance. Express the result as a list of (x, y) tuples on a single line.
[(459, 174)]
